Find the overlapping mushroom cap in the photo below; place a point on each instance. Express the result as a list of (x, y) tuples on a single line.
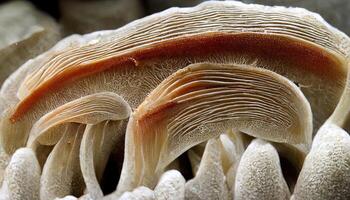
[(222, 72)]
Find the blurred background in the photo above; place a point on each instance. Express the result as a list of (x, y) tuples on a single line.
[(82, 16)]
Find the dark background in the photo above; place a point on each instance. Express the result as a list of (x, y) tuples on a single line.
[(336, 12)]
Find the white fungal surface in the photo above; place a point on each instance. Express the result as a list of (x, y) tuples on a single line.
[(326, 170), (259, 175)]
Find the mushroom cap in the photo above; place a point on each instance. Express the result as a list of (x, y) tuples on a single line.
[(202, 101)]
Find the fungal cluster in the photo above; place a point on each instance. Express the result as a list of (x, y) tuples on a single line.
[(223, 100)]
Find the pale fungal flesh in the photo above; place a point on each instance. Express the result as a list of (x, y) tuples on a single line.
[(326, 170), (210, 181), (171, 186), (61, 173), (223, 100), (97, 143), (259, 175), (22, 177)]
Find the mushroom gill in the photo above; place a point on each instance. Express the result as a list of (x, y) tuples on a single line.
[(203, 100)]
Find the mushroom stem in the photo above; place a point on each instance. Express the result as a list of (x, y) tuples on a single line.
[(326, 173), (341, 114)]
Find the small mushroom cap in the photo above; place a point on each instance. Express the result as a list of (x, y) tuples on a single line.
[(203, 100), (91, 109)]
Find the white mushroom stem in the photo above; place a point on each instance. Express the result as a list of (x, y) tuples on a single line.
[(97, 143), (202, 101), (341, 114), (69, 197), (326, 171), (259, 175), (87, 162), (233, 148), (210, 181), (61, 173), (195, 155), (22, 177), (140, 193)]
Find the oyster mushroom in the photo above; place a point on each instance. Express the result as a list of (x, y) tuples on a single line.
[(25, 32), (132, 60), (326, 171), (68, 105), (259, 175), (200, 102)]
